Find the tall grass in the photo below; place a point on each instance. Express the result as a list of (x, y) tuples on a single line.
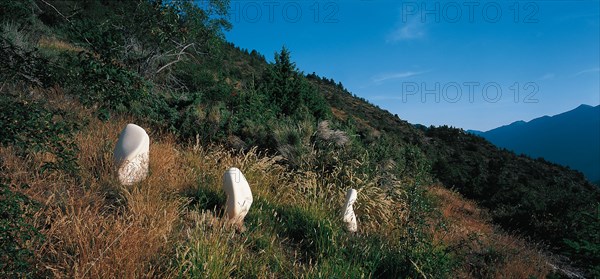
[(172, 224), (96, 228)]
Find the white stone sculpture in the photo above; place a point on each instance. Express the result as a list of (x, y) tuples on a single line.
[(239, 195), (131, 154), (349, 218)]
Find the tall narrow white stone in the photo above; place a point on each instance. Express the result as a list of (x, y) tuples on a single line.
[(131, 154), (239, 195), (348, 214)]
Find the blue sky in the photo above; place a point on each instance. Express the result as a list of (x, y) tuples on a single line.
[(466, 63)]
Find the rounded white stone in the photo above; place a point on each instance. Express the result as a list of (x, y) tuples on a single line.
[(348, 214), (131, 154), (239, 195)]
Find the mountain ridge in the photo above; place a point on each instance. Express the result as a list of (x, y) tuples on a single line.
[(570, 138)]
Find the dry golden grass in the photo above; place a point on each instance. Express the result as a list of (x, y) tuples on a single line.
[(488, 252), (339, 114), (305, 189), (56, 44), (96, 228), (464, 216)]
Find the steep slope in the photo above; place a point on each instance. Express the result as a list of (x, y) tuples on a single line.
[(532, 196), (302, 141), (571, 138)]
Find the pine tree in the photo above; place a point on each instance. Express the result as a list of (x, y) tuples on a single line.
[(282, 83), (289, 91)]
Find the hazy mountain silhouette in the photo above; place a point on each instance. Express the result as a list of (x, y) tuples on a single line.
[(571, 138)]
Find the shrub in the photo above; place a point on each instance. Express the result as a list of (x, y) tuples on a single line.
[(21, 64), (539, 199), (110, 87), (30, 127), (18, 237), (17, 11), (584, 245)]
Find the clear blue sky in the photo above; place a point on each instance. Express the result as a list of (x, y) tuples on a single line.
[(413, 58)]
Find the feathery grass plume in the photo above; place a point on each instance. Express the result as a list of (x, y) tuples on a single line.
[(18, 36), (338, 137), (294, 142), (57, 45)]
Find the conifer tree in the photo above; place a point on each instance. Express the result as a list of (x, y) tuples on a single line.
[(290, 92)]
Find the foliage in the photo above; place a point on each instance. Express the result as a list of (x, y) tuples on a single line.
[(22, 65), (110, 87), (149, 36), (289, 91), (29, 127), (18, 236), (21, 12), (584, 244), (519, 191)]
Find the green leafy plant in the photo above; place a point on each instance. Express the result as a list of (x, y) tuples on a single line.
[(29, 127), (17, 11), (110, 87), (18, 237), (585, 246), (23, 65)]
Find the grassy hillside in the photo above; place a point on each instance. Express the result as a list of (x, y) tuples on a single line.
[(76, 73), (542, 200)]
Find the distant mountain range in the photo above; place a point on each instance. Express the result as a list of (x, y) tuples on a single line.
[(571, 138)]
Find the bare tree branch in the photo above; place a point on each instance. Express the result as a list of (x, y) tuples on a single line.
[(63, 16), (179, 58)]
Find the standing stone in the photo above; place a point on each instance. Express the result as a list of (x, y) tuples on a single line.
[(239, 195), (131, 154), (349, 218)]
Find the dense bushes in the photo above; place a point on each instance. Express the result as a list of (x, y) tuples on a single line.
[(543, 200), (20, 12), (583, 245), (21, 64), (29, 127), (110, 87), (18, 237)]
